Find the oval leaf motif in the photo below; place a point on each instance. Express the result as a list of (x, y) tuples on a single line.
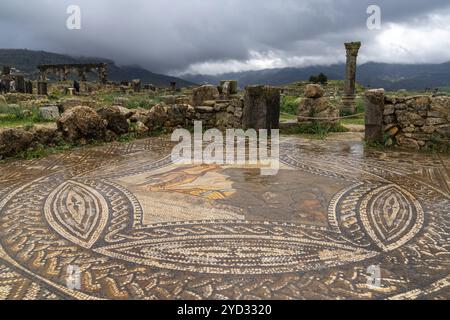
[(77, 212), (391, 216), (237, 254)]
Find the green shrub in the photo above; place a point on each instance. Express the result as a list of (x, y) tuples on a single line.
[(289, 105), (320, 79), (360, 106)]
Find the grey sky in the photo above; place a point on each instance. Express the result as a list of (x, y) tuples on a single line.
[(211, 36)]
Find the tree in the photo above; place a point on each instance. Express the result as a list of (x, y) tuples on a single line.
[(313, 79), (322, 79)]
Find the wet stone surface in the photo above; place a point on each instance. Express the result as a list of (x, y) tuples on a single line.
[(136, 226)]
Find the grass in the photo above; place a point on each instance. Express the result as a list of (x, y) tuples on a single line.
[(287, 116), (41, 151), (13, 116), (135, 101), (289, 105)]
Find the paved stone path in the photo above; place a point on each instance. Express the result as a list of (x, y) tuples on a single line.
[(131, 225)]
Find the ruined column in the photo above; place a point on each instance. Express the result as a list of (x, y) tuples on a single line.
[(20, 83), (42, 88), (229, 87), (374, 105), (82, 74), (102, 74), (348, 99), (29, 87), (62, 74), (43, 75), (261, 108), (65, 73), (136, 85)]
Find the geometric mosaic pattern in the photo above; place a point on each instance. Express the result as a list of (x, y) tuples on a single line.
[(139, 227)]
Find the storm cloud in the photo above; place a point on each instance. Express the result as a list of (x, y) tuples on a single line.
[(212, 36)]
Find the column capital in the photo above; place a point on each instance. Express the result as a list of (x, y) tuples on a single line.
[(353, 48)]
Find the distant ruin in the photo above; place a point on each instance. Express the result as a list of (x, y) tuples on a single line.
[(62, 71)]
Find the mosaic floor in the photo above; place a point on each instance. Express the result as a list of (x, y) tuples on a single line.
[(138, 227)]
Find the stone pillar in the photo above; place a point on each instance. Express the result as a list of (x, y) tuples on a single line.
[(65, 74), (374, 104), (102, 74), (5, 84), (43, 76), (29, 87), (348, 99), (20, 83), (42, 88), (173, 86), (229, 87), (136, 85), (82, 74), (261, 108), (62, 73)]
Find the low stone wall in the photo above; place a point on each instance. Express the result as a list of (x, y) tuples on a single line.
[(419, 122), (79, 121), (221, 114), (82, 124)]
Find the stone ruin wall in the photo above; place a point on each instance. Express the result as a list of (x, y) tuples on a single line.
[(207, 104), (221, 114), (420, 122), (78, 122)]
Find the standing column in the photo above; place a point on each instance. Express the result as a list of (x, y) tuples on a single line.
[(261, 108), (42, 88), (103, 74), (348, 99), (82, 74), (65, 73), (20, 83), (374, 103), (28, 87)]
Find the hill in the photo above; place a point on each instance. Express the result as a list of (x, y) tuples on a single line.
[(27, 60), (374, 75)]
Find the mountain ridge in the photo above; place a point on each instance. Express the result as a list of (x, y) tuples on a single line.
[(27, 60), (370, 74)]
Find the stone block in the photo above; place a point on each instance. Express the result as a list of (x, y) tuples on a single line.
[(374, 101), (228, 87), (314, 91), (261, 107), (204, 93), (49, 112)]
